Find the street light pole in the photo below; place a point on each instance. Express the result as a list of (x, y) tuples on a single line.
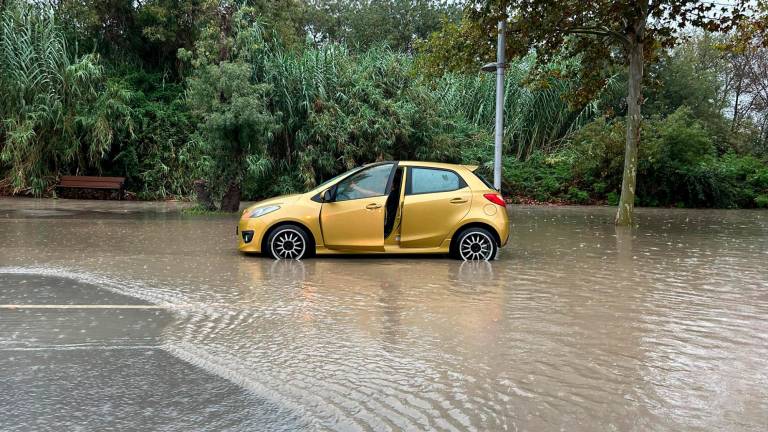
[(499, 138)]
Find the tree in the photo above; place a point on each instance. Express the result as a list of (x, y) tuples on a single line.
[(104, 26), (397, 23), (235, 122), (747, 78), (601, 33)]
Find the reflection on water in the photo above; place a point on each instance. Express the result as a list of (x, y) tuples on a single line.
[(579, 325)]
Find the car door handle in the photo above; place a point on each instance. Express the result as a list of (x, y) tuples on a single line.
[(458, 201), (373, 206)]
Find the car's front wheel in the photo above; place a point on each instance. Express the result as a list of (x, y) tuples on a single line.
[(475, 244), (289, 242)]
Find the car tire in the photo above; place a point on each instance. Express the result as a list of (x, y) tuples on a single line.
[(475, 244), (289, 242)]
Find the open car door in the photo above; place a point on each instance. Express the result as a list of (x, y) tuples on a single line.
[(354, 218)]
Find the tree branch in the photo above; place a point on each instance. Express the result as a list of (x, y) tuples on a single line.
[(599, 31)]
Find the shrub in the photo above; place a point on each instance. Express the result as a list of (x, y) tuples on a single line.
[(162, 155), (600, 162), (674, 163), (541, 177), (612, 198), (577, 195)]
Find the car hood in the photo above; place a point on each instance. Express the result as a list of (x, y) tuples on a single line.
[(282, 199)]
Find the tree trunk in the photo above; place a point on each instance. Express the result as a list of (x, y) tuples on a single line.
[(624, 216), (203, 195), (735, 119), (231, 200)]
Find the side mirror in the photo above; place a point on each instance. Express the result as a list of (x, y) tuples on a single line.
[(327, 196)]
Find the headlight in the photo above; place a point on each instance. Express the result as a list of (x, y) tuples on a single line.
[(261, 211)]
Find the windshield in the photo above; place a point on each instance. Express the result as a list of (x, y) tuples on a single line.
[(324, 184)]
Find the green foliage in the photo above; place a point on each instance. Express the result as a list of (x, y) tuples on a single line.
[(577, 195), (303, 116), (58, 115), (147, 34), (542, 177), (457, 47), (600, 145), (199, 210), (601, 33), (340, 109), (689, 75), (251, 100), (398, 24), (162, 154), (612, 198), (236, 125), (678, 165), (537, 116)]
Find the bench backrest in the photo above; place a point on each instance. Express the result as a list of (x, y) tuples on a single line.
[(92, 182)]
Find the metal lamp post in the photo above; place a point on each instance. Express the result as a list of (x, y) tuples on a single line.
[(498, 67)]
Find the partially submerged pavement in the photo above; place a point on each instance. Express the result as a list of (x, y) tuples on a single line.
[(132, 316)]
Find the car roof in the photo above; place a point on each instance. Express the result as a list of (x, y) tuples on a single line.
[(437, 165)]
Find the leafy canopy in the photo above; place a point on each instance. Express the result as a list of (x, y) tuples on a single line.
[(599, 32)]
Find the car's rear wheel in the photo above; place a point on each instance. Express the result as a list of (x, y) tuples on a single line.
[(289, 242), (475, 244)]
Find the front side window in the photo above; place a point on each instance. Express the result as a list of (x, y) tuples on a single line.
[(334, 178), (431, 180), (368, 183)]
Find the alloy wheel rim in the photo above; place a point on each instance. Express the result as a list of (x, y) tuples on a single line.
[(288, 244), (476, 246)]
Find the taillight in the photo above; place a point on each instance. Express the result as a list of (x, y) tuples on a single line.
[(496, 199)]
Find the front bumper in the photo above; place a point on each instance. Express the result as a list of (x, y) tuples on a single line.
[(249, 235)]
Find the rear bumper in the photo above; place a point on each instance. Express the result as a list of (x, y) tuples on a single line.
[(504, 235), (502, 226)]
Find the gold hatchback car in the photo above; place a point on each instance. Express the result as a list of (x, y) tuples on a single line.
[(384, 207)]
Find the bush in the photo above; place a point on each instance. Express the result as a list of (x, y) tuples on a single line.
[(675, 163), (577, 195), (678, 166), (744, 178), (162, 155), (542, 178), (600, 162)]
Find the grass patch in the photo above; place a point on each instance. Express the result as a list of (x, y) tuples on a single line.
[(202, 211)]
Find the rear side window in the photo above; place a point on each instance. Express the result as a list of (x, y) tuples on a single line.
[(432, 180), (482, 179)]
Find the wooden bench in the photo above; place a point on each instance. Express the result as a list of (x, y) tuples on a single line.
[(92, 182)]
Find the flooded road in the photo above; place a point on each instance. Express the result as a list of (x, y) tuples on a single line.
[(578, 326)]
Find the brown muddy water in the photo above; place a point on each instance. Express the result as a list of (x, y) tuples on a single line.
[(139, 317)]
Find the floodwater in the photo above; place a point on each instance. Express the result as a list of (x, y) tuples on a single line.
[(140, 317)]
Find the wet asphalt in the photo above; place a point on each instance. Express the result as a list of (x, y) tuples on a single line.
[(75, 356)]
